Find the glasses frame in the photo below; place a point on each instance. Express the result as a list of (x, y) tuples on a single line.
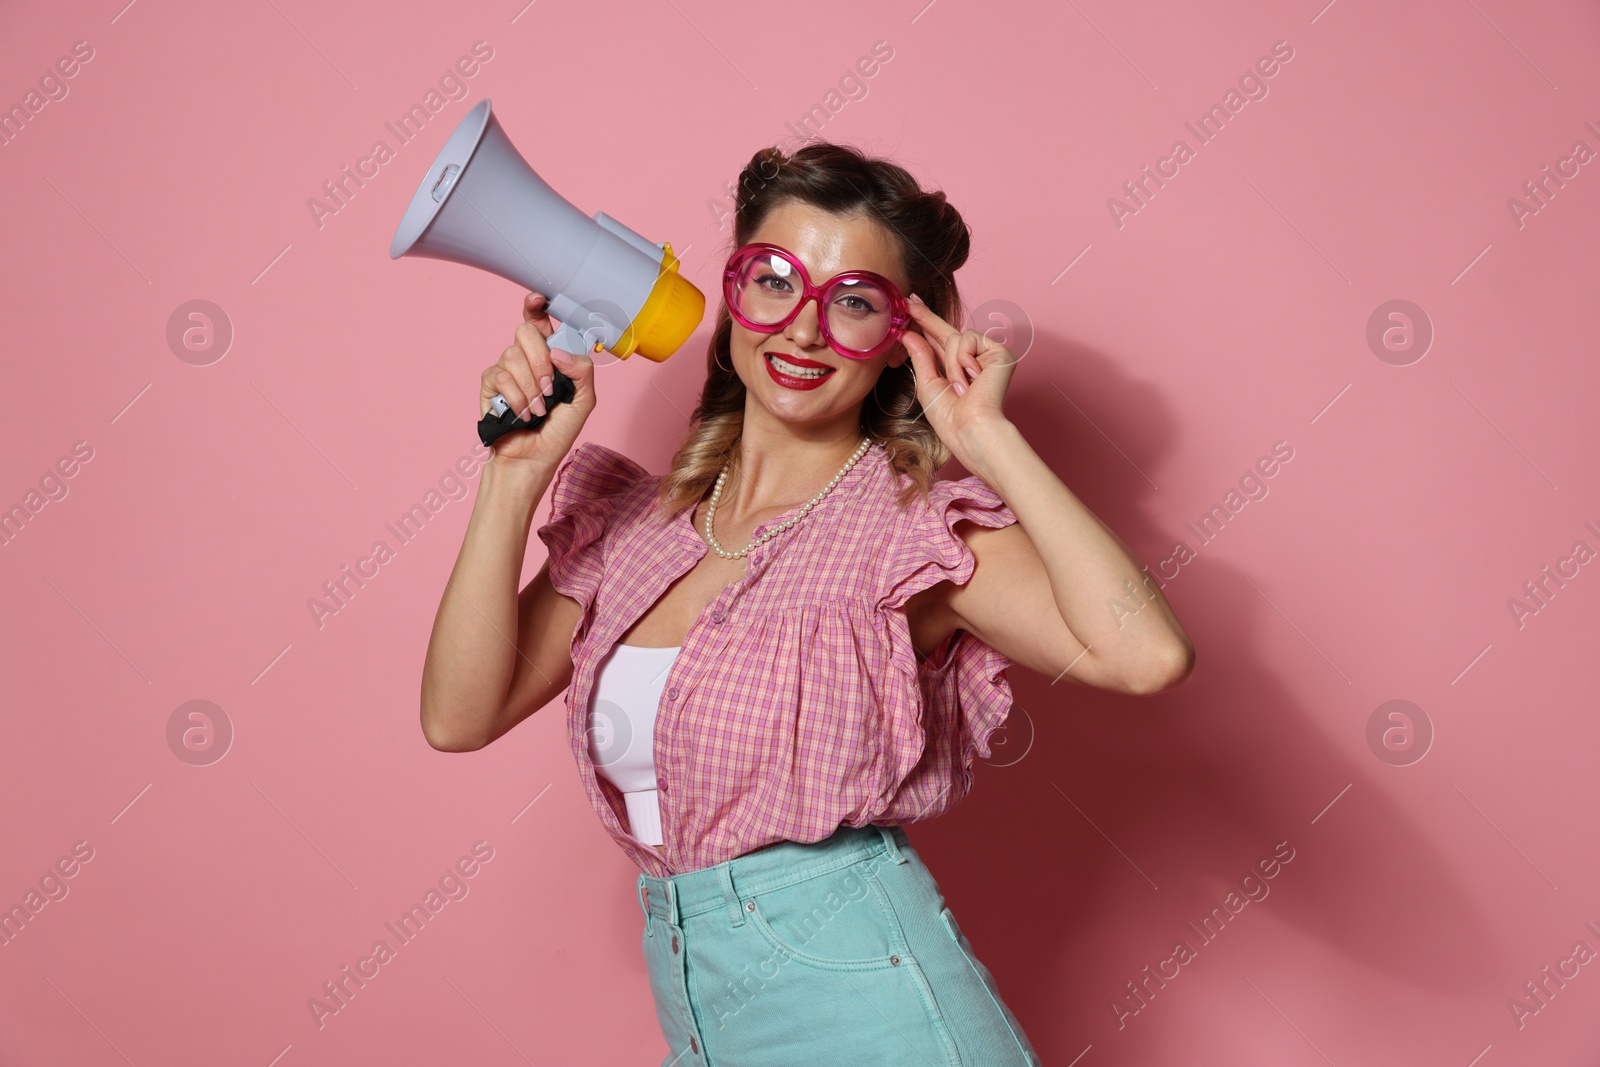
[(899, 307)]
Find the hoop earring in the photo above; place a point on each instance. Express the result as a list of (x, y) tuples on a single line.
[(903, 412), (716, 357), (894, 414)]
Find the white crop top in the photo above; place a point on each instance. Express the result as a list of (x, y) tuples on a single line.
[(622, 720)]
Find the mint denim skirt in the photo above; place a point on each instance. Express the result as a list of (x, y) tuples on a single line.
[(842, 951)]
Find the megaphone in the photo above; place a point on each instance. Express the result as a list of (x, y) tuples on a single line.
[(482, 204)]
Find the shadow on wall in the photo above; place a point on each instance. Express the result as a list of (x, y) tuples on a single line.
[(1196, 787)]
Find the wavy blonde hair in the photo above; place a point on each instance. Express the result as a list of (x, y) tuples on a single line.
[(934, 242)]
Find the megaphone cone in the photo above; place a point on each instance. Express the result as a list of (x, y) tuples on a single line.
[(481, 204)]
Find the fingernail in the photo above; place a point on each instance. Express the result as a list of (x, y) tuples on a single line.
[(561, 356), (960, 389), (547, 385), (917, 299)]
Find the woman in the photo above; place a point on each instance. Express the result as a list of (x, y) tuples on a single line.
[(767, 681)]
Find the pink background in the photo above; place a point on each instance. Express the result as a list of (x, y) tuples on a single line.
[(1229, 313)]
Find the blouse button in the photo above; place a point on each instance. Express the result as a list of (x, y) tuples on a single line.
[(661, 781), (672, 694)]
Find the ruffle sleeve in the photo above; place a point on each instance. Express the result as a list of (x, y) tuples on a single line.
[(964, 686), (584, 494), (929, 551)]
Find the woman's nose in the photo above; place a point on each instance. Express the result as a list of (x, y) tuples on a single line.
[(802, 330)]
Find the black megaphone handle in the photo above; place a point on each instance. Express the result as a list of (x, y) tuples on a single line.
[(492, 426)]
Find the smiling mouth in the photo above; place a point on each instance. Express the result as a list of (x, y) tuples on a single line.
[(796, 370)]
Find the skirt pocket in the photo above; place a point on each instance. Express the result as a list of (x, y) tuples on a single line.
[(840, 920), (818, 972)]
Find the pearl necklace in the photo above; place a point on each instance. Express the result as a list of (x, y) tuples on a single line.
[(716, 495)]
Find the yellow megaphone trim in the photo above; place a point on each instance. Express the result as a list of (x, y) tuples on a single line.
[(670, 314)]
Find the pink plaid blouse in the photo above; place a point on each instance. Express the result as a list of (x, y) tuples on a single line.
[(797, 702)]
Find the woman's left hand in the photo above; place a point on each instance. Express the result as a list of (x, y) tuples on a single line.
[(962, 376)]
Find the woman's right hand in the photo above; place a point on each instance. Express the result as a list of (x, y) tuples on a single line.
[(517, 376)]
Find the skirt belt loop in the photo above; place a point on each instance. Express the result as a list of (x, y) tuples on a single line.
[(891, 844), (644, 902), (672, 903), (729, 894)]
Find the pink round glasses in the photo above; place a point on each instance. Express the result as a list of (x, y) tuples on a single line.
[(863, 313)]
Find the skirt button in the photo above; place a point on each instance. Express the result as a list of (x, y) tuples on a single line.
[(895, 960), (675, 946), (694, 1046)]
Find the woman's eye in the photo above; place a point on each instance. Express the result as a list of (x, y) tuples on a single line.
[(779, 284)]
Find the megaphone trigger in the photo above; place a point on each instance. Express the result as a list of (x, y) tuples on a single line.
[(500, 420)]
